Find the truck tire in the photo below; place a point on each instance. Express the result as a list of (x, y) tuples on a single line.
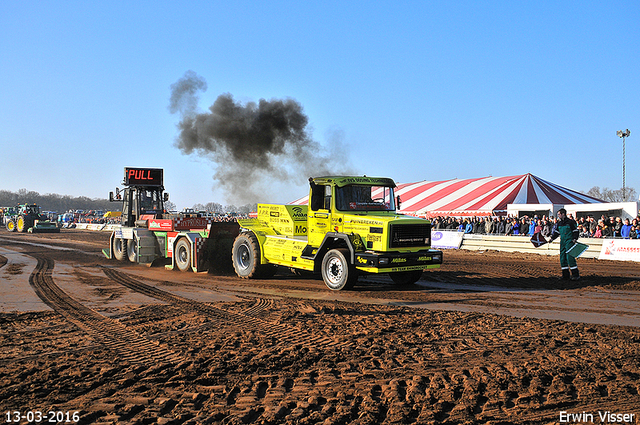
[(406, 278), (132, 252), (11, 225), (337, 272), (246, 258), (119, 249), (182, 255)]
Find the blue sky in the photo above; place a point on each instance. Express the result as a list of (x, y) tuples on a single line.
[(413, 90)]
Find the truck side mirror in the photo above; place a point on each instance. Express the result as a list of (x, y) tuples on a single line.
[(398, 202), (110, 196), (165, 198)]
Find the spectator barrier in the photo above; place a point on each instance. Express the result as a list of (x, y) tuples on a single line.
[(602, 249), (511, 243)]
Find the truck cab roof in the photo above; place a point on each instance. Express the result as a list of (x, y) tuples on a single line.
[(341, 181)]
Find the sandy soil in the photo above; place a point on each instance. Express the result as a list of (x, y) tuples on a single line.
[(122, 343)]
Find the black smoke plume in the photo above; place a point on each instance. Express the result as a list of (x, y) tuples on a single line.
[(252, 144)]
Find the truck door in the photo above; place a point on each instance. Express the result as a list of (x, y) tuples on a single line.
[(319, 215)]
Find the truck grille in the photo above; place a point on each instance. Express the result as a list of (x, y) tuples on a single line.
[(410, 235)]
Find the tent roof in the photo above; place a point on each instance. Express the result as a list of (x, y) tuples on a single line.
[(481, 196)]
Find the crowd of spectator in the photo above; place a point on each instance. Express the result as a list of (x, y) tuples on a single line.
[(98, 219), (589, 227)]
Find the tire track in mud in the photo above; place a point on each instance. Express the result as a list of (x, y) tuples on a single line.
[(248, 320), (259, 308), (108, 332)]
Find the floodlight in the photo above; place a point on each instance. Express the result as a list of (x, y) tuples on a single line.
[(623, 135)]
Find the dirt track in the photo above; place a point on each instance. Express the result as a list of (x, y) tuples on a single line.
[(128, 344)]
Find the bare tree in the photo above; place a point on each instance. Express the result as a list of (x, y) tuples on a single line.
[(246, 209), (213, 207), (611, 195), (54, 202), (230, 208)]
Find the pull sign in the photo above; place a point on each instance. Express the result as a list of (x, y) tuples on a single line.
[(143, 176)]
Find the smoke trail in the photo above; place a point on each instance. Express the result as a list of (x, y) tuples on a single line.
[(251, 144), (184, 97)]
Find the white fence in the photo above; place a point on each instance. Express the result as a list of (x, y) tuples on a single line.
[(603, 249)]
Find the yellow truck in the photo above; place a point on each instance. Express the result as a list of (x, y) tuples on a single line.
[(349, 226)]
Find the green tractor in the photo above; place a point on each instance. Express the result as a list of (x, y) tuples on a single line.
[(8, 216), (27, 218)]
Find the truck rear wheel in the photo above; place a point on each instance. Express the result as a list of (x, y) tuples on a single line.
[(119, 249), (337, 272), (246, 258), (406, 278), (182, 255)]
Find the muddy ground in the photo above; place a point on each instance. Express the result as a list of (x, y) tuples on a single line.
[(122, 343)]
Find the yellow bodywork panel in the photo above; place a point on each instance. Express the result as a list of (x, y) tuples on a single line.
[(287, 251), (289, 220)]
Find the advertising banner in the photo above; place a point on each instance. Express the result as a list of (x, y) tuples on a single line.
[(620, 249), (446, 239)]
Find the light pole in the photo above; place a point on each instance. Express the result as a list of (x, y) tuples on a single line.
[(623, 135)]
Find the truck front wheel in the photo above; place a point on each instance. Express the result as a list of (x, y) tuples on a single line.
[(337, 272), (11, 225)]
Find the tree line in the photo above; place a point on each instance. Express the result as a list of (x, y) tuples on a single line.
[(52, 201), (214, 207), (628, 194), (63, 203)]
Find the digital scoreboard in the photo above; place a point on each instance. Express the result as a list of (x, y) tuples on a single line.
[(143, 176)]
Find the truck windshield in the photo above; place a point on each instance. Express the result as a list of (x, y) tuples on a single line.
[(365, 198)]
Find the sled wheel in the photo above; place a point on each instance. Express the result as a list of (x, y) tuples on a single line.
[(337, 272), (406, 278), (132, 252), (119, 249), (182, 255)]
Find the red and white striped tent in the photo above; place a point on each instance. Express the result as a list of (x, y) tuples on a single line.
[(481, 196)]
